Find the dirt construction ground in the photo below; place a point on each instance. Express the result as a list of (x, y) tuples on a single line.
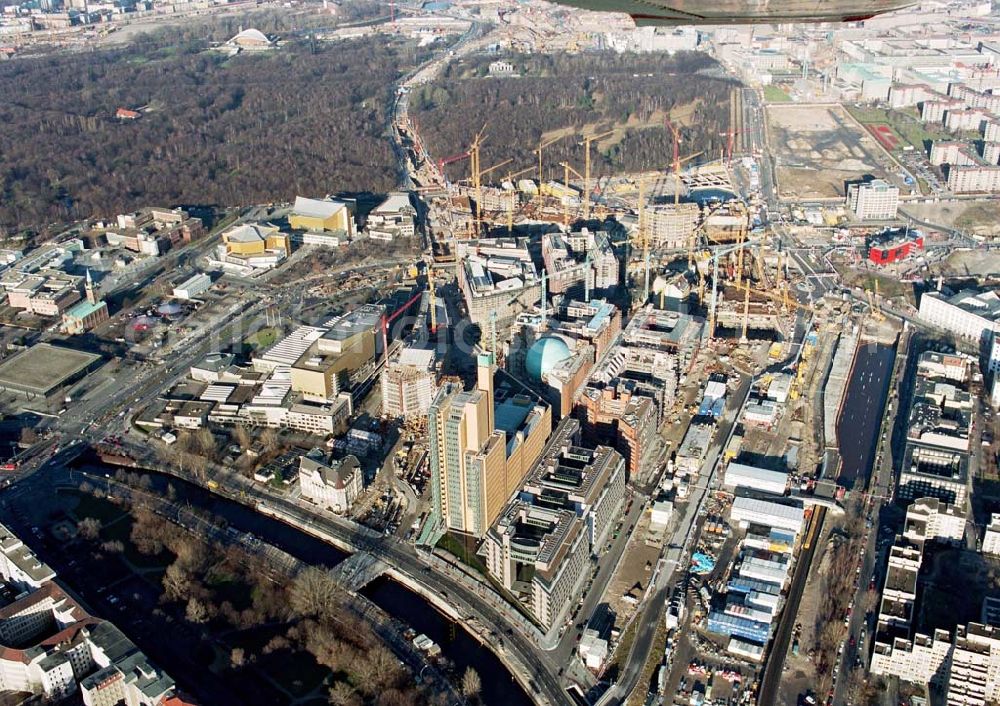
[(818, 149)]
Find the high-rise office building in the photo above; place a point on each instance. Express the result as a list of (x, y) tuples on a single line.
[(475, 466)]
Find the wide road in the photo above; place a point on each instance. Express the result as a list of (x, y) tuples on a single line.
[(779, 646)]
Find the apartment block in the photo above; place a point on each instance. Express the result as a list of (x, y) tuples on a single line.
[(873, 200)]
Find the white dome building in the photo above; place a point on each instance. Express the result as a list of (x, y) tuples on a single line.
[(251, 40)]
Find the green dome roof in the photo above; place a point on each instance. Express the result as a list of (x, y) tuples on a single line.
[(545, 354)]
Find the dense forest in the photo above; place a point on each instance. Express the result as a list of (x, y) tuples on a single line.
[(553, 92), (307, 118)]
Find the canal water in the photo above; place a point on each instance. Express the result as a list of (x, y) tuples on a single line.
[(861, 415), (499, 687)]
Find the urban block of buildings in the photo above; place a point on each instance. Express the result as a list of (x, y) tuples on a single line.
[(541, 546), (52, 649)]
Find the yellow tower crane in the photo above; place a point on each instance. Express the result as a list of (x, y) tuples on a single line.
[(513, 196), (566, 172), (542, 144), (587, 141), (477, 143)]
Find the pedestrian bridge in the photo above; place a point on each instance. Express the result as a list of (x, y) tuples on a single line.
[(358, 570)]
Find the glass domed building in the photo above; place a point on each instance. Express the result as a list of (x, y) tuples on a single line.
[(545, 354)]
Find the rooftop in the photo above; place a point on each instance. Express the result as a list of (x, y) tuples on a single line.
[(317, 208), (23, 558), (43, 368), (84, 308)]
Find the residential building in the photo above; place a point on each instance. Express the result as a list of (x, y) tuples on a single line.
[(874, 200), (19, 566), (331, 484), (952, 153), (973, 179), (52, 649), (970, 315), (930, 519), (991, 536)]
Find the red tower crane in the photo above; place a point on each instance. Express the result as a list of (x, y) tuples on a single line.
[(730, 144), (386, 320)]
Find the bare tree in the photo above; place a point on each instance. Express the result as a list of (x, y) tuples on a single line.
[(237, 657), (177, 583), (89, 528), (28, 436), (315, 593), (241, 435), (472, 686), (204, 442), (343, 694), (196, 611), (269, 440)]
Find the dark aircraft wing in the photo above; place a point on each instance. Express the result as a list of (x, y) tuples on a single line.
[(710, 12)]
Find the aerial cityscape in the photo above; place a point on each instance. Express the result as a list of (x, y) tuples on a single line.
[(500, 353)]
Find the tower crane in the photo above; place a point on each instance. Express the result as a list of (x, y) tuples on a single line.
[(432, 299), (566, 171), (449, 160), (476, 175), (542, 144), (587, 141), (714, 258), (730, 142), (746, 311), (513, 195), (388, 319), (479, 190)]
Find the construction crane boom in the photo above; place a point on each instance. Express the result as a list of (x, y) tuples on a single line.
[(587, 141), (566, 172), (542, 144)]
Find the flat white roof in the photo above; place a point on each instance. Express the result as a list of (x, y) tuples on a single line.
[(416, 357), (766, 507), (741, 471)]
